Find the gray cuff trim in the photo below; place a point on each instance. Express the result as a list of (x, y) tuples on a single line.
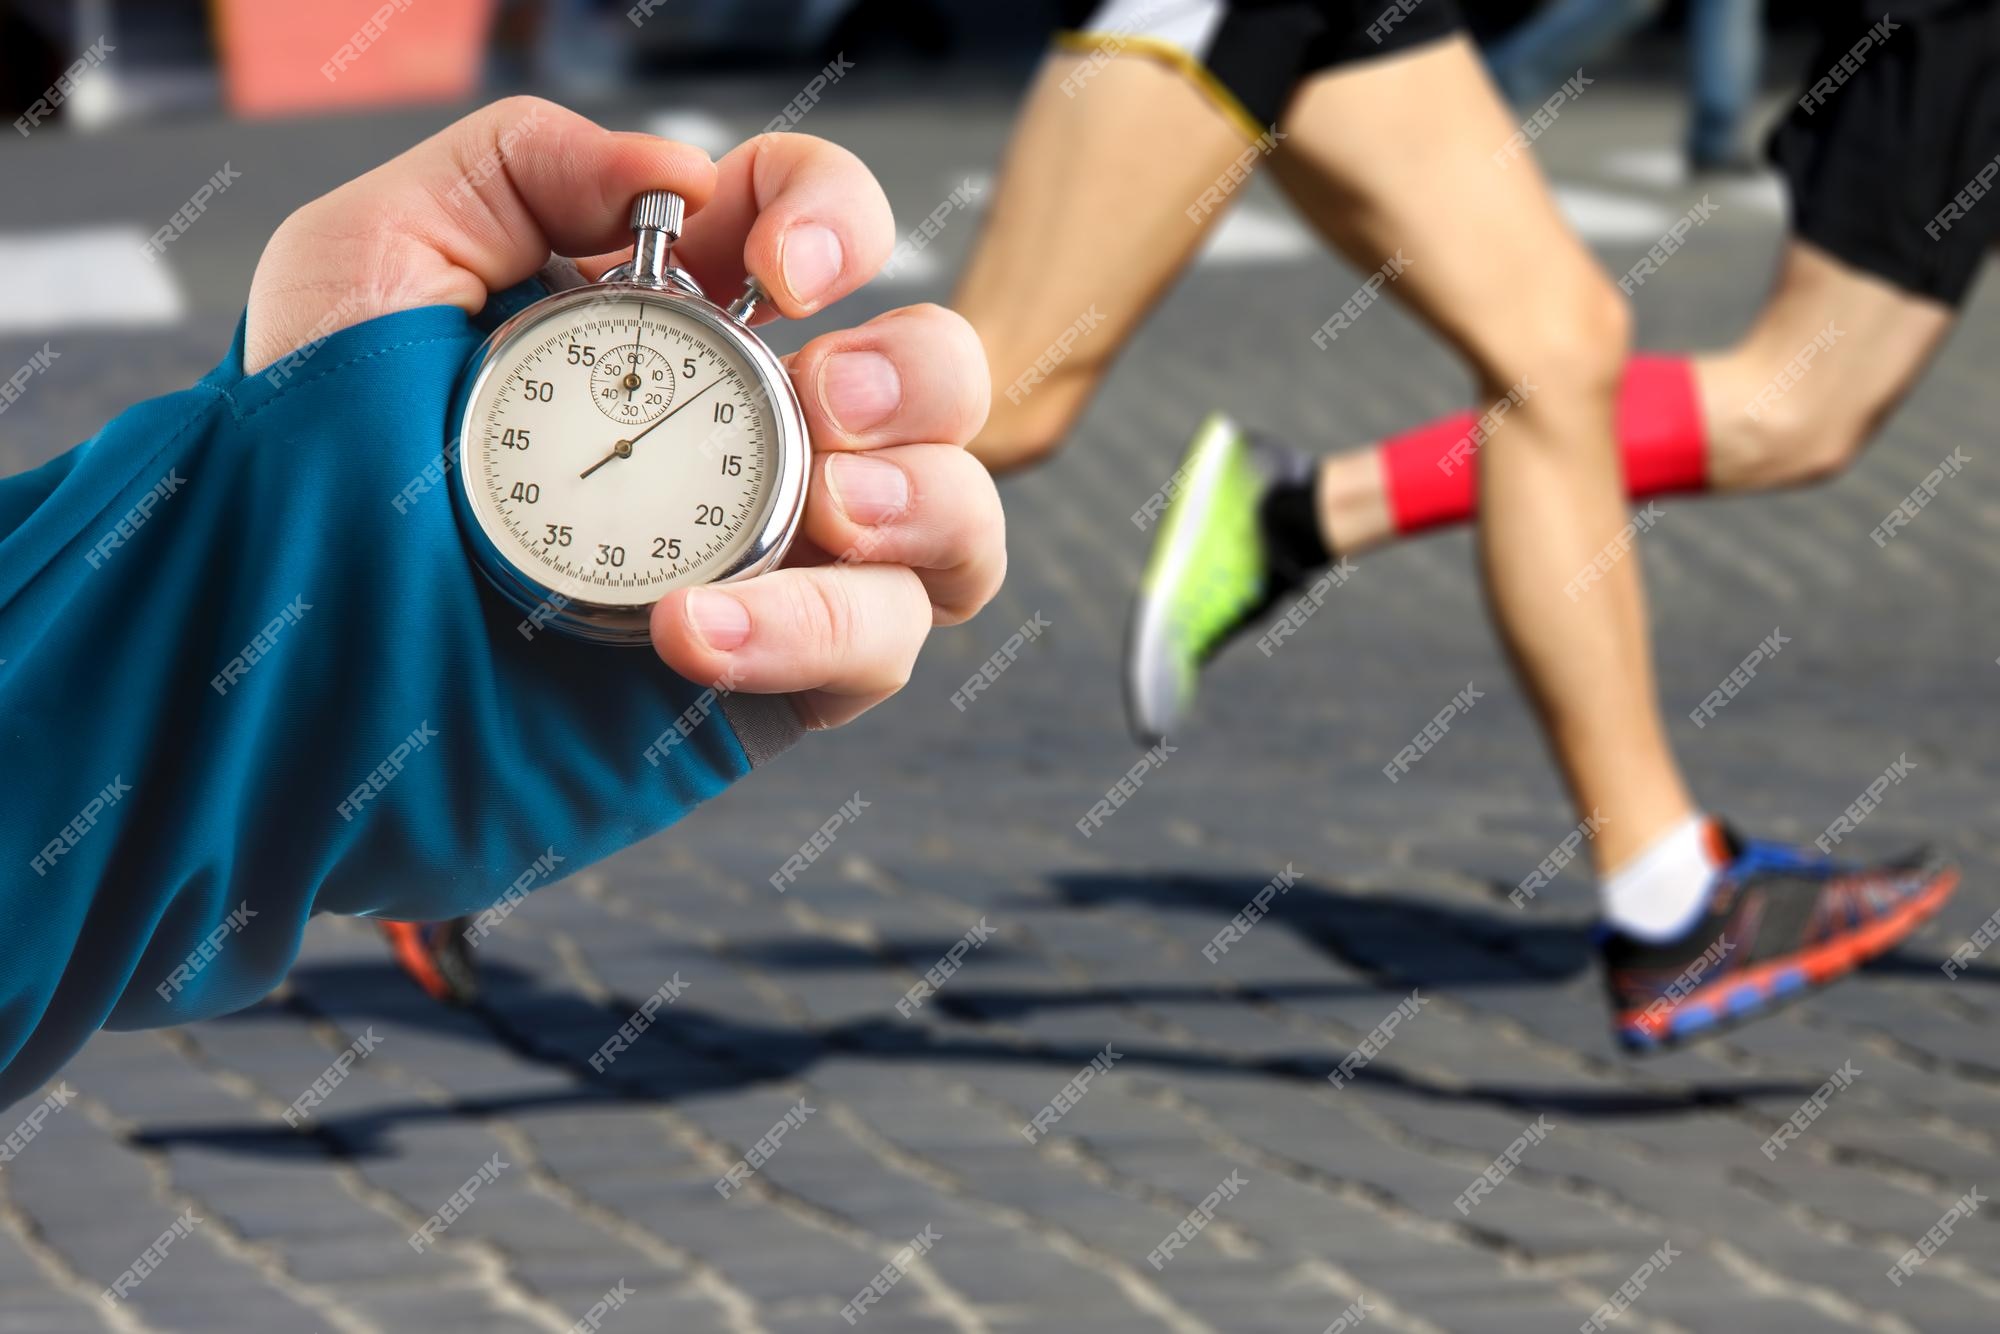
[(766, 726), (559, 275)]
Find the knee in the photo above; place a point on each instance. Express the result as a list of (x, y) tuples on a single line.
[(1027, 425), (1008, 445), (1561, 353)]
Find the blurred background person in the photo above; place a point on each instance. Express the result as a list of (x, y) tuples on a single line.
[(1725, 55)]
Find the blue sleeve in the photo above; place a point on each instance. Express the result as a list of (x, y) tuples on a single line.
[(248, 673)]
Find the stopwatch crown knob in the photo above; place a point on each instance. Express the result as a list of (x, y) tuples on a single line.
[(659, 210)]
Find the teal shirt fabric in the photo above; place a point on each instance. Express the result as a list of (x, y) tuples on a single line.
[(218, 619)]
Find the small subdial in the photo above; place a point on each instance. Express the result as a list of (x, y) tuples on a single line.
[(632, 385)]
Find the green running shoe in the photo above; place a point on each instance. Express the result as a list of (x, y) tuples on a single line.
[(1209, 575)]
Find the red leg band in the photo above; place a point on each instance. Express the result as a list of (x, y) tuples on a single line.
[(1660, 440)]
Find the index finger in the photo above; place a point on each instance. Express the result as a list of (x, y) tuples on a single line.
[(804, 215)]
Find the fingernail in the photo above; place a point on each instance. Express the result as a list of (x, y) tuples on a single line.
[(810, 258), (869, 491), (860, 389), (721, 622)]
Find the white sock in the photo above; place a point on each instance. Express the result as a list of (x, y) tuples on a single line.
[(1657, 894)]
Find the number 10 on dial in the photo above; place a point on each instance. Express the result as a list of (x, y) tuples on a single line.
[(627, 438)]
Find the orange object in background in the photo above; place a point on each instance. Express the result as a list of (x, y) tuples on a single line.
[(282, 56)]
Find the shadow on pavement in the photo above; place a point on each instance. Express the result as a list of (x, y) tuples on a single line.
[(690, 1052)]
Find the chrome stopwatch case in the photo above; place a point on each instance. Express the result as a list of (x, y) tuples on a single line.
[(627, 438)]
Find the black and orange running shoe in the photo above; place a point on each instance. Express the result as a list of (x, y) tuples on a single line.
[(436, 957), (1779, 922)]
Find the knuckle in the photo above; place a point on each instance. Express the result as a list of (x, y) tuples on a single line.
[(826, 613)]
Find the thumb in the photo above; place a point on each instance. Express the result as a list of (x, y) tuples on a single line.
[(473, 209)]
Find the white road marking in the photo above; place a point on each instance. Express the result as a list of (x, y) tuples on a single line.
[(82, 277), (1255, 233), (1606, 215)]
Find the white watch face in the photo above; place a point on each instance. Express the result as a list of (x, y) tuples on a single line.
[(620, 448)]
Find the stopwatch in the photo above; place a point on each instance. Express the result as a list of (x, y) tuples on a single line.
[(626, 438)]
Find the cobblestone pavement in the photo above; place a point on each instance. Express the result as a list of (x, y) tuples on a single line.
[(909, 1125)]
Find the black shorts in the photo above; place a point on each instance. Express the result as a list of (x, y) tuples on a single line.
[(1893, 145), (1251, 55)]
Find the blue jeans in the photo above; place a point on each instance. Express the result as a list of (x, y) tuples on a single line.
[(1725, 51)]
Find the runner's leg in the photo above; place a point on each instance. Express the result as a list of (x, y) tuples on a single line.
[(1494, 269)]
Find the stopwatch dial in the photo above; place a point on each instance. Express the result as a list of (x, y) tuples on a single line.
[(611, 509), (632, 385)]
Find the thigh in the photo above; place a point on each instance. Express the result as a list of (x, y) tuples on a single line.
[(1414, 162)]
